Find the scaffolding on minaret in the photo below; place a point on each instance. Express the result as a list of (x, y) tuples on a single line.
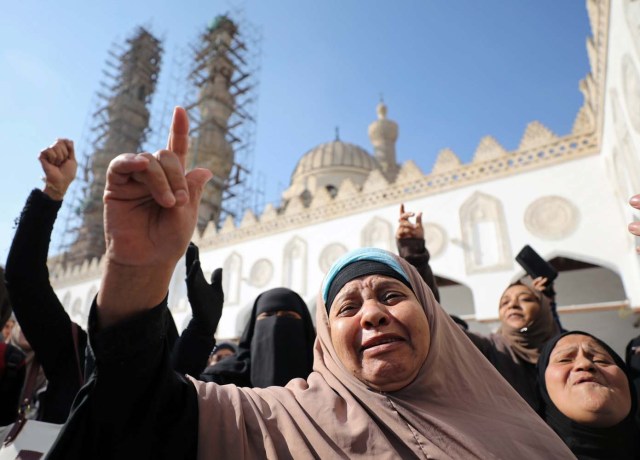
[(223, 117), (120, 124)]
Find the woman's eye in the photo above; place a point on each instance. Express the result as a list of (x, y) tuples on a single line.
[(389, 296), (347, 309)]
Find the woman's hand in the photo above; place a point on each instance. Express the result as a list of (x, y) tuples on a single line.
[(150, 213), (634, 227), (60, 166), (406, 228), (540, 285)]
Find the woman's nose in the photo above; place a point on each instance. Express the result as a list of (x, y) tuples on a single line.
[(374, 314), (583, 363), (513, 304)]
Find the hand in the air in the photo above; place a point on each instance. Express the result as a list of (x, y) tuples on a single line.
[(150, 205), (206, 299), (59, 165), (406, 228), (150, 213), (540, 285), (634, 227)]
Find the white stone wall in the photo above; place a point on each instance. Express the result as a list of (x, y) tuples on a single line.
[(620, 156)]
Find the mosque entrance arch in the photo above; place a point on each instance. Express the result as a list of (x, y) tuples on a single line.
[(455, 297), (591, 298), (585, 283)]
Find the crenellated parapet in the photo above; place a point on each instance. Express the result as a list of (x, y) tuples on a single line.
[(409, 184), (62, 275), (591, 114)]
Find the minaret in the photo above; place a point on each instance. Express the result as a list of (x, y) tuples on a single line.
[(121, 126), (210, 144), (383, 134)]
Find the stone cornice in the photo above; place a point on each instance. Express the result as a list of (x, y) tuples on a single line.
[(563, 149)]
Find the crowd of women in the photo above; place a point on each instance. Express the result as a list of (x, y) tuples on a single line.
[(387, 373)]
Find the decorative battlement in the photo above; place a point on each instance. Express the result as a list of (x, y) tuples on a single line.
[(411, 183)]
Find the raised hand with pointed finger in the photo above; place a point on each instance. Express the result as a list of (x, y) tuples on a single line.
[(150, 205), (406, 228), (150, 213)]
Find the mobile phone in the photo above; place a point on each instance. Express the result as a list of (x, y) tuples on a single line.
[(535, 265)]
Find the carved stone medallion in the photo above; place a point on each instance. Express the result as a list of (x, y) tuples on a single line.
[(435, 238), (551, 218), (261, 273), (329, 255)]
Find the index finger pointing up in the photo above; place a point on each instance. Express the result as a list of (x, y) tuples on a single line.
[(179, 134)]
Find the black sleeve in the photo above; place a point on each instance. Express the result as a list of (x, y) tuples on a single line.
[(191, 351), (414, 251), (12, 373), (40, 314), (482, 343), (135, 405)]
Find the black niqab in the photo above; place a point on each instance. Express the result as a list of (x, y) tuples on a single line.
[(272, 350), (621, 441)]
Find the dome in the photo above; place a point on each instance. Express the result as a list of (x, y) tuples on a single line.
[(328, 165), (334, 155)]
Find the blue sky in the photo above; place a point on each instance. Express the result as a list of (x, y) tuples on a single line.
[(450, 71)]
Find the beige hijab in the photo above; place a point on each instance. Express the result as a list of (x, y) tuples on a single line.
[(527, 344), (457, 407)]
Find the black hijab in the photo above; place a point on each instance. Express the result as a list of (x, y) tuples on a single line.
[(272, 350), (619, 442)]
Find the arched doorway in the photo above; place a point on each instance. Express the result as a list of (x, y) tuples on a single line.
[(592, 298), (457, 299)]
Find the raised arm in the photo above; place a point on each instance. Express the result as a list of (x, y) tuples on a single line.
[(135, 405), (193, 347), (44, 322), (541, 284), (412, 248), (150, 213)]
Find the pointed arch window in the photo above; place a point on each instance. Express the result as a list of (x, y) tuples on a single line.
[(484, 232), (295, 266), (232, 278)]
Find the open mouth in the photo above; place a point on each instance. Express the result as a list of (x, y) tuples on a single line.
[(380, 341)]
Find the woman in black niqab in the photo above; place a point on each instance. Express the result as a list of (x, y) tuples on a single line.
[(276, 345), (621, 441)]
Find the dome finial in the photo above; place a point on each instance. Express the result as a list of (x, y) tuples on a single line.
[(337, 133), (381, 109)]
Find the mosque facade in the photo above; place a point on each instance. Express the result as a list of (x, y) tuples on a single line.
[(565, 195)]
